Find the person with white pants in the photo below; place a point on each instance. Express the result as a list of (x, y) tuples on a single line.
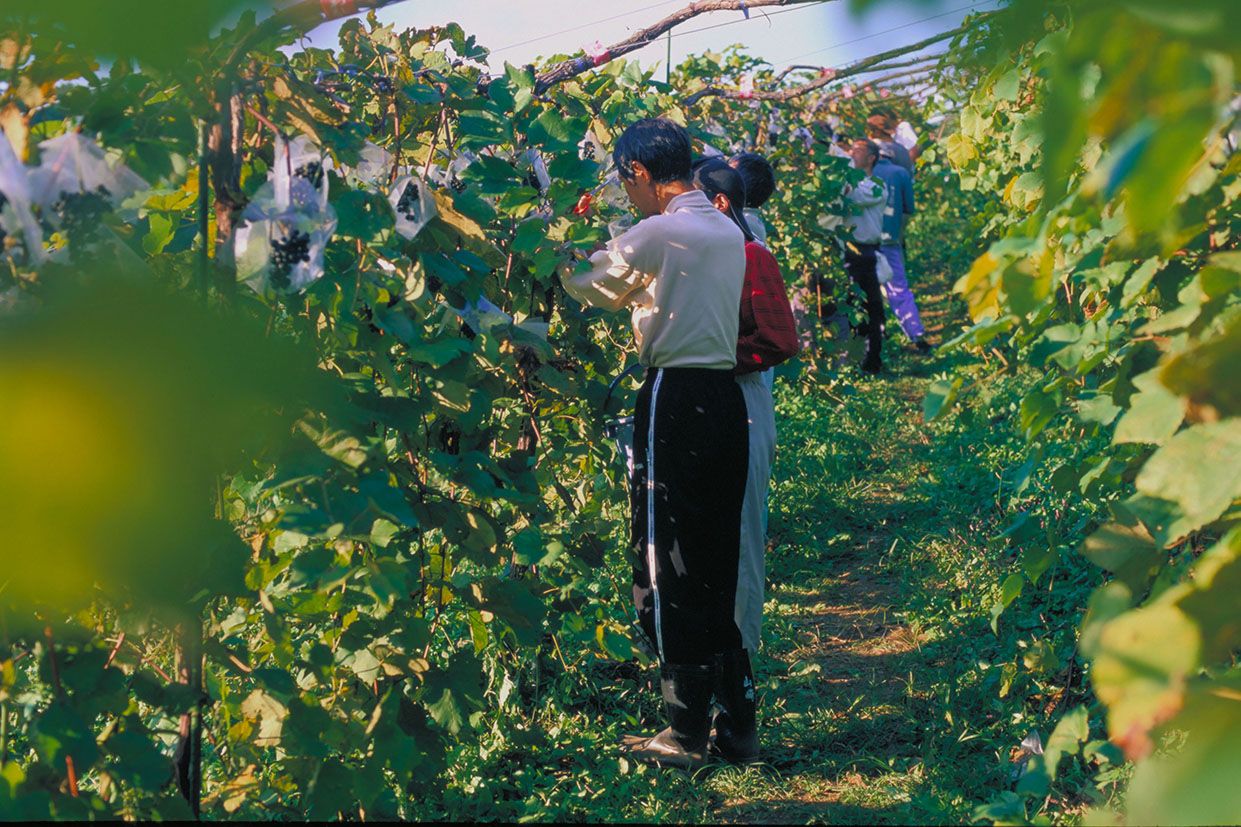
[(766, 336)]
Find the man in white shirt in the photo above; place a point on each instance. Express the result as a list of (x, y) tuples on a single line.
[(680, 272), (868, 198)]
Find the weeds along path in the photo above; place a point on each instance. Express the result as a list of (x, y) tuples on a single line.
[(875, 527)]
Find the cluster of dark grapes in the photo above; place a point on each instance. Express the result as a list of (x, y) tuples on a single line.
[(286, 254), (588, 151), (312, 172), (408, 205), (457, 184), (81, 212), (4, 202), (382, 85)]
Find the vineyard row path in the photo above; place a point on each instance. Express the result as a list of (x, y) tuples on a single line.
[(843, 678)]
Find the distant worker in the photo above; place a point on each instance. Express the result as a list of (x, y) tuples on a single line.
[(900, 205), (868, 199), (879, 130)]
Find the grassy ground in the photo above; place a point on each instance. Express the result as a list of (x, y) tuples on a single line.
[(874, 711), (878, 694)]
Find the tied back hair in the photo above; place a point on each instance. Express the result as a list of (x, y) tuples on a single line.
[(714, 177)]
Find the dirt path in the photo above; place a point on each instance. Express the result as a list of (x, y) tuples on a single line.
[(844, 706)]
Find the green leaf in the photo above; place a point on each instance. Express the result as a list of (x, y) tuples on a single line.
[(1196, 783), (1036, 780), (1009, 591), (1153, 415), (439, 352), (1037, 559), (1143, 659), (362, 215), (450, 695), (59, 732), (515, 604), (1212, 602), (162, 228), (1098, 409), (940, 397), (520, 86), (1128, 551), (1199, 469), (528, 546), (553, 130), (1137, 281), (1038, 408), (1206, 372), (530, 234), (382, 532), (1107, 602), (330, 791), (1006, 86), (1070, 733), (443, 268), (481, 128)]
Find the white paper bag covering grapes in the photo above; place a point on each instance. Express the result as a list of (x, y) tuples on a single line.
[(414, 205)]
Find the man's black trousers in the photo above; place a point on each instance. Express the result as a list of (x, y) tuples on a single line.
[(860, 263), (691, 450)]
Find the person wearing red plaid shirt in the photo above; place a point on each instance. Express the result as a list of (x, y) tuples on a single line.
[(766, 336)]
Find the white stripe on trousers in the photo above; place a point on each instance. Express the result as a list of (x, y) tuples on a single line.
[(650, 511)]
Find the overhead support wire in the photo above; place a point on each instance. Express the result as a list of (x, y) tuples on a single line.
[(644, 37), (581, 26), (921, 59), (857, 68), (829, 47)]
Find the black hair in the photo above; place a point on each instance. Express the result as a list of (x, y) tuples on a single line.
[(759, 177), (659, 145), (871, 147), (713, 177)]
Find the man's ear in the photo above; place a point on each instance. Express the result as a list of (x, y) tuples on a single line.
[(641, 175), (721, 202)]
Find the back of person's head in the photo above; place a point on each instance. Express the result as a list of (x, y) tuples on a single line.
[(659, 145), (877, 125), (714, 178), (759, 177)]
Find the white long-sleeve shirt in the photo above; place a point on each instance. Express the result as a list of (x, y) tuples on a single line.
[(681, 272), (870, 196)]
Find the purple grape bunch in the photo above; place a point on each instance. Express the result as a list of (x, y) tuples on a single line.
[(312, 171), (81, 213), (286, 254), (407, 206)]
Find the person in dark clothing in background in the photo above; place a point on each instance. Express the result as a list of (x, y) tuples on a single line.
[(868, 199), (760, 182)]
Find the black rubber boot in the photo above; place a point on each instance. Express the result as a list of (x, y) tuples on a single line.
[(687, 701), (736, 724)]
